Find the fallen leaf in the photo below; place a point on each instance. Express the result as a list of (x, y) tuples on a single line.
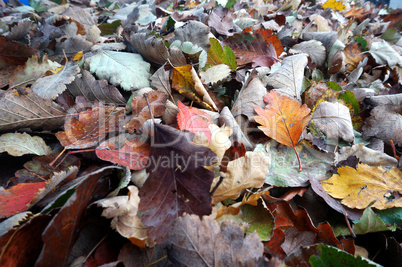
[(358, 13), (160, 80), (31, 71), (95, 90), (194, 242), (334, 120), (235, 208), (358, 188), (17, 144), (250, 96), (284, 119), (19, 109), (176, 165), (336, 5), (133, 154), (288, 79), (221, 19), (215, 74), (217, 55), (385, 123), (131, 255), (193, 120), (226, 117), (123, 69), (353, 55), (242, 173), (140, 110), (150, 47), (50, 87), (313, 48), (185, 80), (193, 31), (90, 128), (383, 53), (123, 211), (14, 53)]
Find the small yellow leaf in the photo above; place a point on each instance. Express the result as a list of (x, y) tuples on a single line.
[(334, 5), (358, 188), (78, 56)]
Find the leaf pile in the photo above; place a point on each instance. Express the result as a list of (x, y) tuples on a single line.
[(219, 133)]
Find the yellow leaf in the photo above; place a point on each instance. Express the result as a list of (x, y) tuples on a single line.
[(78, 56), (334, 5), (358, 188), (235, 208)]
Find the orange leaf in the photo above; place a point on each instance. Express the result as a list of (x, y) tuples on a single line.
[(283, 119), (193, 120), (271, 38), (357, 13)]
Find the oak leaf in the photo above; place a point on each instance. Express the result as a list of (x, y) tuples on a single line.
[(177, 183), (358, 188), (283, 119), (193, 120)]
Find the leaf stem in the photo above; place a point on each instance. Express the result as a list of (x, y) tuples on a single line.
[(298, 158)]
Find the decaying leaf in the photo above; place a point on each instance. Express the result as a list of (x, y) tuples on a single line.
[(283, 119), (150, 47), (358, 188), (17, 144), (50, 87), (140, 110), (334, 120), (288, 78), (193, 120), (245, 172), (182, 183), (127, 70), (14, 53), (19, 109), (186, 81), (123, 211), (194, 242), (313, 48)]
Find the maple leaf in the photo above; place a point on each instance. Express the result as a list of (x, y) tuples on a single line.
[(90, 128), (193, 120), (283, 119), (133, 154), (157, 102), (177, 183), (336, 5), (358, 188)]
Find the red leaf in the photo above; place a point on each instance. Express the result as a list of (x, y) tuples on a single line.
[(193, 120), (17, 198), (177, 183), (133, 154)]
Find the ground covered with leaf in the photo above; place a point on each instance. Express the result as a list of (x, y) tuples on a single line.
[(200, 133)]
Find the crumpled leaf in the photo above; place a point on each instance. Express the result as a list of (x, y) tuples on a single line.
[(235, 208), (192, 242), (288, 79), (85, 84), (31, 71), (182, 181), (245, 172), (17, 144), (358, 188), (157, 102), (132, 154), (250, 96), (14, 53), (383, 53), (123, 69), (217, 55), (313, 48), (334, 120), (284, 168), (336, 5), (50, 87), (19, 109), (226, 117), (385, 123), (90, 128), (123, 210), (185, 80), (193, 120), (366, 155), (353, 55)]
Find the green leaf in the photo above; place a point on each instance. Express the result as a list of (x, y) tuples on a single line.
[(363, 43), (331, 256), (109, 28), (391, 35), (127, 70), (259, 219), (370, 223), (334, 86), (284, 168), (392, 216), (220, 55), (230, 3), (349, 97)]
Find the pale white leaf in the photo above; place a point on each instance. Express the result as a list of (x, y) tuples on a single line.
[(313, 48), (18, 144), (215, 74), (383, 53)]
